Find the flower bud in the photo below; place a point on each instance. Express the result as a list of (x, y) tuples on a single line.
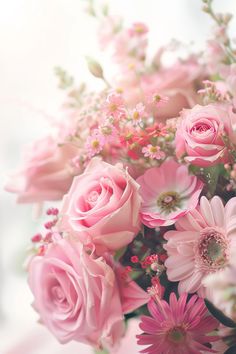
[(95, 68)]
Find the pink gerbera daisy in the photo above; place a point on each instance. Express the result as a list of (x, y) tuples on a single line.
[(203, 243), (168, 192), (178, 327)]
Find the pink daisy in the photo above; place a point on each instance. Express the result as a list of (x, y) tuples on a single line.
[(114, 106), (203, 243), (158, 100), (154, 152), (138, 29), (168, 192), (109, 132), (179, 327), (94, 143), (138, 114)]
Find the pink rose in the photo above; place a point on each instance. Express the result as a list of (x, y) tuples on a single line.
[(46, 174), (200, 131), (102, 207), (175, 82), (80, 297)]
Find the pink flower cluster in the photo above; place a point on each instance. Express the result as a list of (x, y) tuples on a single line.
[(145, 171)]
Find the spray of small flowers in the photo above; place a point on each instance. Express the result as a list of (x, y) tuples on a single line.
[(145, 172)]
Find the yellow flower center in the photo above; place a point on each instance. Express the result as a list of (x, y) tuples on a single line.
[(95, 144)]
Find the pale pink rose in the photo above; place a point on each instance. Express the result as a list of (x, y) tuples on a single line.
[(175, 82), (199, 134), (168, 192), (46, 173), (81, 297), (102, 207)]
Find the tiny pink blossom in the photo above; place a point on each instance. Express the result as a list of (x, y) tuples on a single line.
[(158, 100), (138, 29), (178, 327), (168, 192), (154, 152), (108, 132), (94, 144), (114, 106), (138, 113)]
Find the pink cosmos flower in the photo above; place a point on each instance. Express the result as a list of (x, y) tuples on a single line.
[(46, 173), (200, 132), (204, 242), (102, 207), (178, 327), (168, 192), (154, 152), (82, 297)]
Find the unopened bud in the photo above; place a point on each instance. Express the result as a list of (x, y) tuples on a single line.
[(206, 9), (95, 68)]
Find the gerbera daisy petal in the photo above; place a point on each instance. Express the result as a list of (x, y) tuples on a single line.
[(213, 243), (182, 331)]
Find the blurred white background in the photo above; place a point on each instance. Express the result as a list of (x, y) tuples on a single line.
[(36, 36)]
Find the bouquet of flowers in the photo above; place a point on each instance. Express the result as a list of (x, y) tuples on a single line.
[(145, 170)]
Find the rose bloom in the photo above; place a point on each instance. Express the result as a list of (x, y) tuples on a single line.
[(176, 82), (199, 134), (168, 192), (102, 207), (46, 174), (203, 243), (81, 297)]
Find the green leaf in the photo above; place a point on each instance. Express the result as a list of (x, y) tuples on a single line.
[(231, 350), (136, 273), (65, 80), (120, 253), (103, 351), (219, 315), (211, 175)]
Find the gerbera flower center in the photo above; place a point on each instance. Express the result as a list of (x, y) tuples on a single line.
[(213, 248), (168, 201), (176, 334)]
